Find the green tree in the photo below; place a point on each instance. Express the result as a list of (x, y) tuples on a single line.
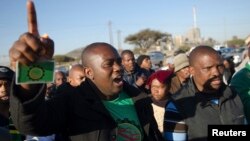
[(209, 42), (62, 59), (235, 42), (144, 39), (182, 49), (136, 50)]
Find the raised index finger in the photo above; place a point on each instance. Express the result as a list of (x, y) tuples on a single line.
[(32, 22)]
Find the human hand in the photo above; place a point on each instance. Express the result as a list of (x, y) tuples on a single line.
[(30, 47), (141, 80)]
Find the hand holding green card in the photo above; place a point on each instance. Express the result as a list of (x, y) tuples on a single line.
[(33, 48)]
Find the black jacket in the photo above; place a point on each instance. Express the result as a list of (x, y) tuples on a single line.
[(77, 112), (198, 111)]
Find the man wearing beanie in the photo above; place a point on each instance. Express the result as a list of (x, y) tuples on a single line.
[(181, 71), (6, 75), (159, 84), (144, 62)]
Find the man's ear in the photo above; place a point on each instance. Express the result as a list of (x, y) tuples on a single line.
[(69, 79), (191, 70), (88, 72)]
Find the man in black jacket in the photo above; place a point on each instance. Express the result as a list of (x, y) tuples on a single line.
[(103, 108)]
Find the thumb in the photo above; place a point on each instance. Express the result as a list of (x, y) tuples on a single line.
[(48, 47)]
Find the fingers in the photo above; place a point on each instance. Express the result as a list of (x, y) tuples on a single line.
[(32, 21), (46, 51), (33, 42), (30, 47), (25, 50), (48, 47)]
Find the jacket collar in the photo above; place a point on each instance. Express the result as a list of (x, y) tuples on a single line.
[(91, 95), (222, 94)]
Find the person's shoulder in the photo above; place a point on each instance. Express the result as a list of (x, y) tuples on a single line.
[(65, 89), (242, 70), (131, 90), (65, 86), (171, 106), (232, 94), (186, 90), (240, 75), (174, 79), (229, 92), (152, 70), (140, 70)]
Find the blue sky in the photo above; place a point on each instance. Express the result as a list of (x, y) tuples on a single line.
[(76, 23)]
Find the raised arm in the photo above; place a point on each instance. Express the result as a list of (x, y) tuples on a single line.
[(30, 47)]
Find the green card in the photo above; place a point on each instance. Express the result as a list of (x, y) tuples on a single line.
[(40, 72)]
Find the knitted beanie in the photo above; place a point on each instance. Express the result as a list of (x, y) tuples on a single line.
[(161, 75)]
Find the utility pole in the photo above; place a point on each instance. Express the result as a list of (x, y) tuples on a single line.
[(225, 33), (194, 17), (119, 46), (110, 33)]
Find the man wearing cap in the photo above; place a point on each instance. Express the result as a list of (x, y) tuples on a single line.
[(241, 82), (6, 75), (5, 79), (181, 71)]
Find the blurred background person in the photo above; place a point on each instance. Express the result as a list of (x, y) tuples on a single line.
[(181, 72), (245, 57), (76, 75), (60, 78), (229, 69), (50, 91), (144, 62), (132, 73), (241, 82)]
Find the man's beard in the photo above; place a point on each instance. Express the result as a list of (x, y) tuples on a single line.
[(211, 89)]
